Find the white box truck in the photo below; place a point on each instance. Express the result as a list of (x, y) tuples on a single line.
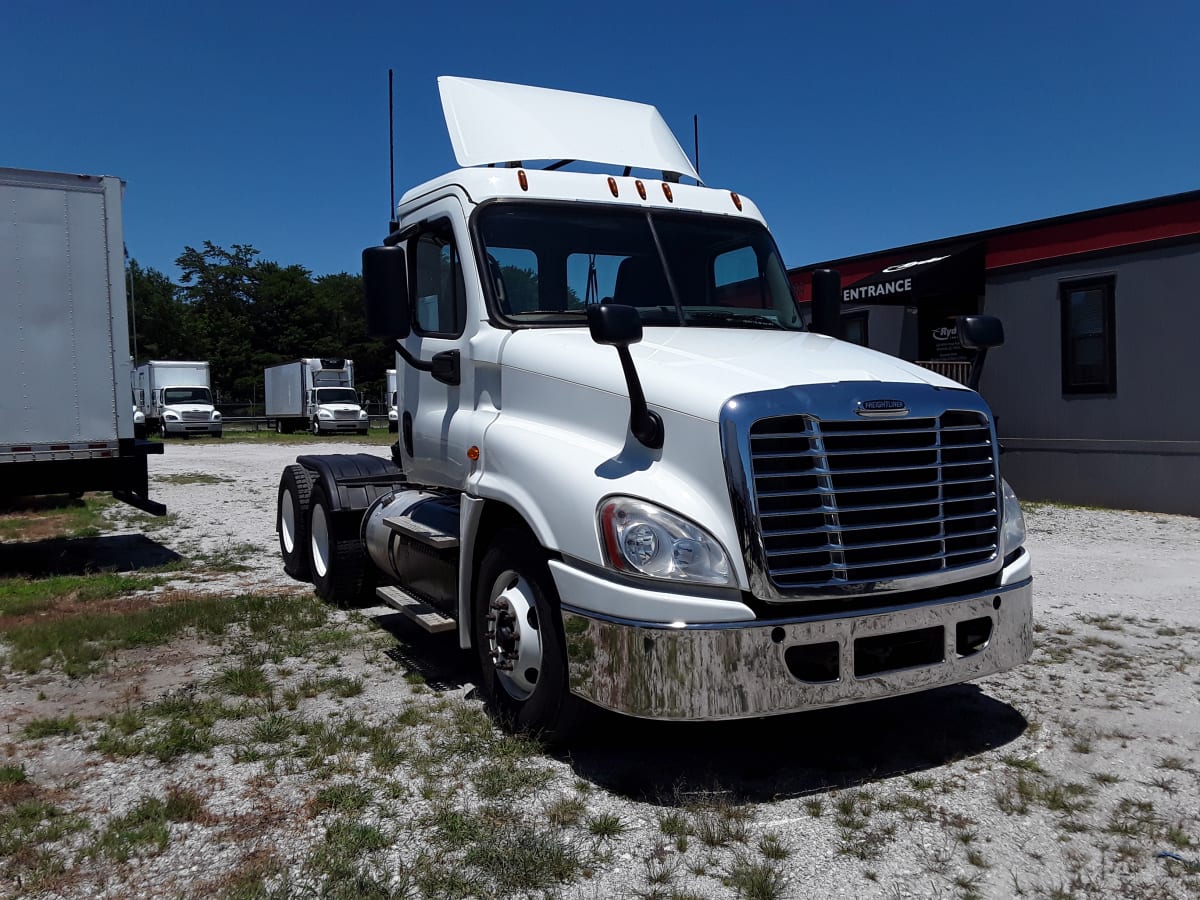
[(175, 398), (393, 418), (627, 473), (66, 421), (317, 394)]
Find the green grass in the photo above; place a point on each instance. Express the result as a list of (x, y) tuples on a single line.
[(342, 798), (20, 596), (12, 774), (31, 823), (52, 727), (755, 879), (192, 478), (145, 828), (245, 681), (81, 644), (376, 436), (39, 518), (606, 825)]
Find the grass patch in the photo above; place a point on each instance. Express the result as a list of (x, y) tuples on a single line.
[(755, 879), (80, 644), (32, 822), (606, 825), (523, 859), (12, 774), (44, 728), (192, 478), (245, 681), (43, 518), (343, 798), (144, 829), (21, 596)]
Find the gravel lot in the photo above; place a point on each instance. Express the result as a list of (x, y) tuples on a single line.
[(1065, 778)]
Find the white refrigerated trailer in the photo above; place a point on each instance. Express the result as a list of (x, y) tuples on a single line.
[(66, 423), (313, 393)]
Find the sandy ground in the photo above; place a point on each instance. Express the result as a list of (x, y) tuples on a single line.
[(1064, 778)]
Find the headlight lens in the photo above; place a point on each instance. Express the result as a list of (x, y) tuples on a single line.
[(362, 413), (645, 539), (171, 417), (1012, 533), (324, 414), (216, 417)]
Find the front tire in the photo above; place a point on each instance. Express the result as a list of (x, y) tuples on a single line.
[(337, 563), (519, 639), (315, 428), (292, 512), (162, 430)]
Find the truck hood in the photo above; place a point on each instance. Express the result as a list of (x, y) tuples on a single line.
[(189, 407), (696, 370)]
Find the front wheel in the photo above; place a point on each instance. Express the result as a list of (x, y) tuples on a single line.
[(315, 428), (162, 430), (519, 639)]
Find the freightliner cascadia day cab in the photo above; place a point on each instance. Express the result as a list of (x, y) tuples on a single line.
[(317, 394), (626, 473), (176, 399), (66, 421)]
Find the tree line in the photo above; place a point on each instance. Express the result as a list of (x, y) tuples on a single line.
[(243, 314)]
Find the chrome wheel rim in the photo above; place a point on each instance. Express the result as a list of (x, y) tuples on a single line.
[(320, 540), (514, 637), (287, 521)]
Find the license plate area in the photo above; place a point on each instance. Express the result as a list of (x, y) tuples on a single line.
[(899, 650)]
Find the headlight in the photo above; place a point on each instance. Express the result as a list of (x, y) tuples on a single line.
[(362, 413), (324, 414), (645, 539), (216, 417), (1012, 534), (171, 417)]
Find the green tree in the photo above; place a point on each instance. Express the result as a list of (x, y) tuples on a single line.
[(218, 286), (158, 315)]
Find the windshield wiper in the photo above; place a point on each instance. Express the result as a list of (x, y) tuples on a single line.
[(728, 318)]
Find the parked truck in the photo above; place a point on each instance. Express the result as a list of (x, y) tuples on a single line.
[(176, 399), (317, 394), (626, 473), (393, 417), (66, 423)]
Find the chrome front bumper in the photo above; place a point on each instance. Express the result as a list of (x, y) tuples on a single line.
[(744, 669)]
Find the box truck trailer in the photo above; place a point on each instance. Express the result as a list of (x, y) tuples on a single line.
[(176, 398), (317, 394), (66, 421), (627, 474)]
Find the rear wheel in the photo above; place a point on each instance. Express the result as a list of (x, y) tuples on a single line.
[(519, 639), (338, 562), (291, 520)]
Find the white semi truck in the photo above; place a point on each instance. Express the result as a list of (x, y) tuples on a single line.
[(393, 415), (317, 394), (627, 474), (66, 421), (176, 399)]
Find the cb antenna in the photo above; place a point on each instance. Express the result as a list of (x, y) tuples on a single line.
[(696, 138), (392, 223)]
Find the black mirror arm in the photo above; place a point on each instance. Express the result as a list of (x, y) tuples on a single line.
[(445, 366), (646, 425)]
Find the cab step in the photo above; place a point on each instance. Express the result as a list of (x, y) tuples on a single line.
[(429, 618), (419, 531)]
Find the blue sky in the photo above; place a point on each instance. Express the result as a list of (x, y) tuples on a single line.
[(854, 126)]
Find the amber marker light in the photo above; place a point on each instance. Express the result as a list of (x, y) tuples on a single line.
[(472, 453), (612, 185), (737, 201), (641, 189), (524, 181), (667, 192)]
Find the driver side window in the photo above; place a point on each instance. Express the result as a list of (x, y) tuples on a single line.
[(439, 296)]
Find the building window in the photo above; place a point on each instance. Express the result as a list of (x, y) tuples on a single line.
[(1089, 336), (854, 327)]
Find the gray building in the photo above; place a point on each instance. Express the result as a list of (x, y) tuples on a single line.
[(1096, 390)]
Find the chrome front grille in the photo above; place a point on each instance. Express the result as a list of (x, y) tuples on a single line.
[(833, 503), (189, 416), (345, 414)]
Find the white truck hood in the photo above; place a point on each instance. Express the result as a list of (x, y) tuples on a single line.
[(696, 370)]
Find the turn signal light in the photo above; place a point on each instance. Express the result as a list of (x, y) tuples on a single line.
[(524, 181), (473, 453), (612, 185), (737, 201), (667, 192), (641, 189)]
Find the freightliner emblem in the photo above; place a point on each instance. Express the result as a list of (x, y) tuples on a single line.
[(887, 408)]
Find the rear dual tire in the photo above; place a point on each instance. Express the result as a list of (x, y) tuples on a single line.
[(337, 561), (291, 520)]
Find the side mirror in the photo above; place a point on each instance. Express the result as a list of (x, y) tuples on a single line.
[(385, 282), (980, 332), (614, 325)]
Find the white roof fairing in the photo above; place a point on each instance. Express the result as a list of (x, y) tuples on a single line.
[(493, 122)]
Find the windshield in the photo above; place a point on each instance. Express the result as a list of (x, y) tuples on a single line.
[(548, 262), (186, 395), (337, 395)]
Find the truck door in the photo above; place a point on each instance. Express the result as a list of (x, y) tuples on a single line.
[(436, 427)]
